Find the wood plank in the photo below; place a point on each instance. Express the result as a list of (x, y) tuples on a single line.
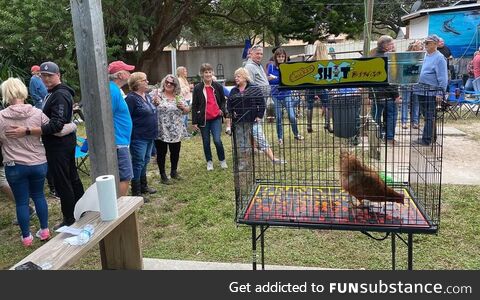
[(87, 18), (120, 250), (61, 255)]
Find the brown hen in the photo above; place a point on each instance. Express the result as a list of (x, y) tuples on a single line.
[(363, 183)]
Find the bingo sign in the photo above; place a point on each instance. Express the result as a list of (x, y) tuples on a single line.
[(338, 72)]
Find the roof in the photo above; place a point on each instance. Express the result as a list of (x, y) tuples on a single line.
[(424, 12)]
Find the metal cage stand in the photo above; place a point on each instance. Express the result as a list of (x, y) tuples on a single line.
[(263, 229)]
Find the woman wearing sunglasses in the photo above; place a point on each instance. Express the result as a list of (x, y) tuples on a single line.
[(172, 108)]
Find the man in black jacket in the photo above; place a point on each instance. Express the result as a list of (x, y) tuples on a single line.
[(60, 151)]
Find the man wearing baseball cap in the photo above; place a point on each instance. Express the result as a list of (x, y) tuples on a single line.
[(36, 88), (118, 73), (434, 76), (60, 151)]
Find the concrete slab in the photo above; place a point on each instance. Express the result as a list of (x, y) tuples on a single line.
[(460, 161), (452, 131), (169, 264)]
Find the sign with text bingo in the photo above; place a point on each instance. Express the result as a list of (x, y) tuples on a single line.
[(352, 72)]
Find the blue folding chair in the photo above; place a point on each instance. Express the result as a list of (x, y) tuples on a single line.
[(81, 156), (472, 99)]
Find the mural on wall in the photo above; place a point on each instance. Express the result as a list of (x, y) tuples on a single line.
[(460, 30)]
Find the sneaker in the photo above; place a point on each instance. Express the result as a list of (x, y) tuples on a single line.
[(209, 165), (242, 166), (299, 138), (228, 131), (354, 141), (280, 142), (43, 234), (415, 126), (27, 241), (54, 194), (278, 161), (223, 164), (391, 142)]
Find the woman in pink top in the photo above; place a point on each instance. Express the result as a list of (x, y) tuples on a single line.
[(24, 158)]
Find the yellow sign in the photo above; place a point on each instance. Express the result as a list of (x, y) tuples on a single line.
[(335, 72)]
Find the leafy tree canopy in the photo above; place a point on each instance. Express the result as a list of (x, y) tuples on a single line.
[(33, 31)]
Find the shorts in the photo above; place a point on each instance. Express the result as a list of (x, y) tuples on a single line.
[(259, 136), (125, 169), (3, 179)]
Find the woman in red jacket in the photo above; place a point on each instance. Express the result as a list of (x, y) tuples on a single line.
[(208, 110)]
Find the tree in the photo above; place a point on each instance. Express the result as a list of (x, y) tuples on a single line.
[(34, 31), (310, 20), (388, 13), (231, 21), (159, 23)]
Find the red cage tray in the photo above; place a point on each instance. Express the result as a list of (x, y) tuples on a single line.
[(329, 206)]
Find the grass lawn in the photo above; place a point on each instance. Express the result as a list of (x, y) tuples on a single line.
[(193, 219)]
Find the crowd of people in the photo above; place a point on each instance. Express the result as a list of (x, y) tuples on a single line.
[(39, 141)]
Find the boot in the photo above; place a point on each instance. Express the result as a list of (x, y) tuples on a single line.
[(164, 178), (137, 190), (309, 120), (174, 175), (144, 186)]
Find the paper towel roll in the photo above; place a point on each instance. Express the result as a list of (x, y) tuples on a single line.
[(107, 197)]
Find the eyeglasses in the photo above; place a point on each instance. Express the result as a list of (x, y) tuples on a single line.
[(170, 83)]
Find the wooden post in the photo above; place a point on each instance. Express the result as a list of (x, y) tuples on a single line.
[(92, 64), (367, 30)]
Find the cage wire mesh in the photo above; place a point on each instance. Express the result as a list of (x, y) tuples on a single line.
[(326, 158)]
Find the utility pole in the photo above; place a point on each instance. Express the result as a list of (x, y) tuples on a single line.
[(367, 28)]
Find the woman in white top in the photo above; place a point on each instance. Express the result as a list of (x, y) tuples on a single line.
[(171, 107)]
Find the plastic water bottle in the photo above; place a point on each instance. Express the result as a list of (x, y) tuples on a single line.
[(194, 133), (85, 234)]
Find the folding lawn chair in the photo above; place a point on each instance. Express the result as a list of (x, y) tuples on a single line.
[(472, 100), (81, 155)]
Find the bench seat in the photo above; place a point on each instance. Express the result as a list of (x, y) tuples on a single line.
[(119, 241)]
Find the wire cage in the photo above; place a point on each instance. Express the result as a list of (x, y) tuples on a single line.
[(339, 158)]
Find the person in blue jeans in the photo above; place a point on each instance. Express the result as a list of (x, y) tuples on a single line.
[(409, 99), (410, 102), (144, 131), (384, 100), (433, 80), (282, 98), (208, 110), (24, 156)]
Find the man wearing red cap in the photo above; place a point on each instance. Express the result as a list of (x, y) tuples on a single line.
[(36, 88), (118, 73)]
